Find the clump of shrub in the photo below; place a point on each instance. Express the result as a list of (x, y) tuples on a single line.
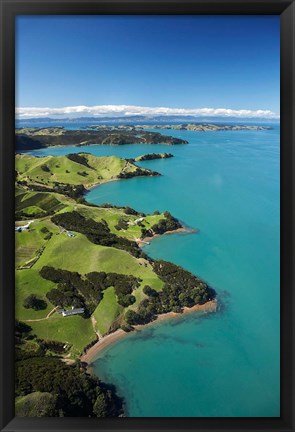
[(34, 302), (45, 168), (78, 158), (44, 230), (122, 224)]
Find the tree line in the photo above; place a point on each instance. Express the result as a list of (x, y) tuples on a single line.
[(181, 289), (96, 232), (87, 291), (47, 387), (170, 223)]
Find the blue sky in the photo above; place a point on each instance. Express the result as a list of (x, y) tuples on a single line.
[(189, 62)]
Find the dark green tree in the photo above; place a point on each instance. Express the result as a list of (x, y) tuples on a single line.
[(100, 406), (34, 302)]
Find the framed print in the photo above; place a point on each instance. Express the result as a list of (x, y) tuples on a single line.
[(147, 215)]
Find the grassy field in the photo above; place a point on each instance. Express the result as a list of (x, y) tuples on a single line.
[(50, 169), (41, 202), (112, 216), (35, 203), (107, 311), (43, 244), (30, 282), (28, 243), (74, 254), (73, 330), (65, 252)]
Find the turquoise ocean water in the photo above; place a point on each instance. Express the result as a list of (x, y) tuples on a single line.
[(226, 184)]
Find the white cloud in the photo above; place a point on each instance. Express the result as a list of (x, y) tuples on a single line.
[(127, 110)]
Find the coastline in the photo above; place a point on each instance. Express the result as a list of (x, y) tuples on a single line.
[(88, 188), (106, 341), (141, 241), (183, 229)]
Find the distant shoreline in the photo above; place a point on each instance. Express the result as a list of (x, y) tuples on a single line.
[(205, 127), (108, 340)]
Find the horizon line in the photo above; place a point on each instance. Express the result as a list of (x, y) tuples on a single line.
[(134, 110)]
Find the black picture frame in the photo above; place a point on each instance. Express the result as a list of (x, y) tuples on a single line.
[(11, 8)]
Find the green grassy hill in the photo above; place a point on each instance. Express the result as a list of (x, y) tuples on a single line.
[(74, 240), (76, 254), (46, 244), (32, 205), (114, 215), (75, 169), (107, 311), (34, 138), (36, 404)]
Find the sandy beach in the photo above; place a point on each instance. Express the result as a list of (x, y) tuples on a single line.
[(100, 183), (109, 339)]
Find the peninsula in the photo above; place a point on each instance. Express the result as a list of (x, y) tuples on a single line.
[(36, 138), (82, 276), (31, 138), (151, 156), (74, 173)]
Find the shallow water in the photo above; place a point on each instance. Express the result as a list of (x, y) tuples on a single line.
[(225, 364)]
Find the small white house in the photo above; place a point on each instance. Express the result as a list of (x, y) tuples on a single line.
[(72, 312), (23, 227), (139, 220)]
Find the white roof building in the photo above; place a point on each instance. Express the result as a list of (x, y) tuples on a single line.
[(72, 312), (139, 220), (23, 227)]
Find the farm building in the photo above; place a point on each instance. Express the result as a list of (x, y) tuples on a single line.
[(72, 312), (21, 228), (139, 220)]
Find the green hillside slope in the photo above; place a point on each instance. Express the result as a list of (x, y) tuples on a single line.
[(72, 254)]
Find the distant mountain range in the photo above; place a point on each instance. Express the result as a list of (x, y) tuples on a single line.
[(139, 119)]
